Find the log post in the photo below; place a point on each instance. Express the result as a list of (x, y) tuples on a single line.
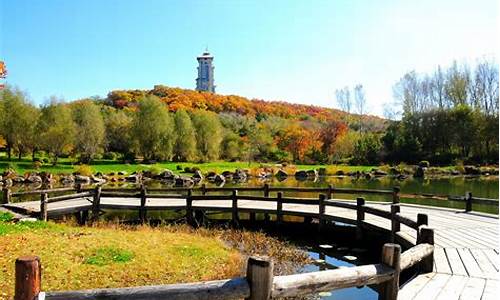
[(391, 256), (395, 225), (266, 190), (468, 201), (234, 208), (260, 278), (189, 208), (321, 212), (422, 220), (360, 217), (96, 204), (204, 189), (426, 236), (43, 206), (142, 210), (79, 187), (7, 194), (330, 192), (28, 278), (279, 208), (395, 195)]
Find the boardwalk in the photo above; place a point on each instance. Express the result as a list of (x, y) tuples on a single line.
[(466, 254)]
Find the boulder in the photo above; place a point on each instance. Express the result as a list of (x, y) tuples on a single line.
[(394, 171), (82, 179), (402, 177), (1, 178), (97, 180), (455, 172), (9, 174), (168, 175), (227, 174), (67, 179), (133, 178), (420, 172), (312, 173), (7, 182), (18, 179), (211, 176), (33, 179), (281, 174), (301, 174), (198, 175), (472, 170), (340, 173), (240, 174), (122, 173), (368, 176), (184, 181), (378, 172), (218, 179)]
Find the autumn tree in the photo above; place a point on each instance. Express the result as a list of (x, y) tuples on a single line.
[(90, 130), (185, 145), (56, 129), (330, 133), (153, 130), (208, 134)]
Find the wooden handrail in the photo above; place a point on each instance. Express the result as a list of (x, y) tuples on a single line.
[(415, 255), (69, 197)]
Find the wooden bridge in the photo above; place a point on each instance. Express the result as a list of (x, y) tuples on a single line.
[(461, 264)]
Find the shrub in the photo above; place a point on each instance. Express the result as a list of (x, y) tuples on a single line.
[(84, 170), (45, 160), (424, 164), (110, 155), (178, 167)]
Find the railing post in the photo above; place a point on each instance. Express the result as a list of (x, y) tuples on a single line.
[(234, 208), (7, 194), (426, 236), (43, 206), (360, 217), (468, 201), (96, 204), (395, 195), (391, 256), (422, 220), (321, 212), (266, 190), (330, 192), (189, 208), (28, 278), (395, 225), (204, 189), (279, 208), (260, 278), (142, 210)]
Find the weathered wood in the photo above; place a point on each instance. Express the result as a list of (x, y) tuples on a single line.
[(341, 204), (165, 196), (468, 201), (210, 197), (395, 224), (189, 208), (237, 288), (142, 209), (377, 212), (234, 208), (329, 194), (426, 236), (260, 278), (266, 190), (395, 195), (360, 217), (391, 256), (7, 194), (28, 278), (321, 212), (96, 204), (422, 219), (204, 189), (406, 221), (279, 208), (303, 201), (43, 206), (69, 197), (322, 281), (415, 254), (120, 194)]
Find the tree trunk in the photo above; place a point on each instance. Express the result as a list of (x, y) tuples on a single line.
[(33, 154), (9, 151)]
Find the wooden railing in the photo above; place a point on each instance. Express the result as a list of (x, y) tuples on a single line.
[(259, 282)]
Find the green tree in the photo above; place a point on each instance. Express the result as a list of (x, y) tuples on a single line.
[(153, 129), (208, 134), (118, 128), (185, 145), (57, 129), (17, 121), (90, 131)]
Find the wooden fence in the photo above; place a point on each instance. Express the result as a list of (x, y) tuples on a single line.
[(259, 282)]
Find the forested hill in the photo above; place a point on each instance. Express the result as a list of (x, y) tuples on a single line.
[(177, 98)]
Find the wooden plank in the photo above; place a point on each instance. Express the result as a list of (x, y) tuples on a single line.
[(433, 287), (453, 288), (492, 256), (473, 289), (442, 264), (470, 263), (484, 263), (412, 288), (457, 267), (490, 290)]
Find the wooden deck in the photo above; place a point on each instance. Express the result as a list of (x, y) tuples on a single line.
[(466, 254)]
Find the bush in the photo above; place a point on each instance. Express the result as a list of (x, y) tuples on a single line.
[(84, 170), (45, 160), (110, 155), (178, 167), (37, 165)]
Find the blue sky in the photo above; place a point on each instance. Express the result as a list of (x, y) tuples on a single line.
[(298, 51)]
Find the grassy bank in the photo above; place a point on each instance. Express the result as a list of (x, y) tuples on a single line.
[(113, 255)]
